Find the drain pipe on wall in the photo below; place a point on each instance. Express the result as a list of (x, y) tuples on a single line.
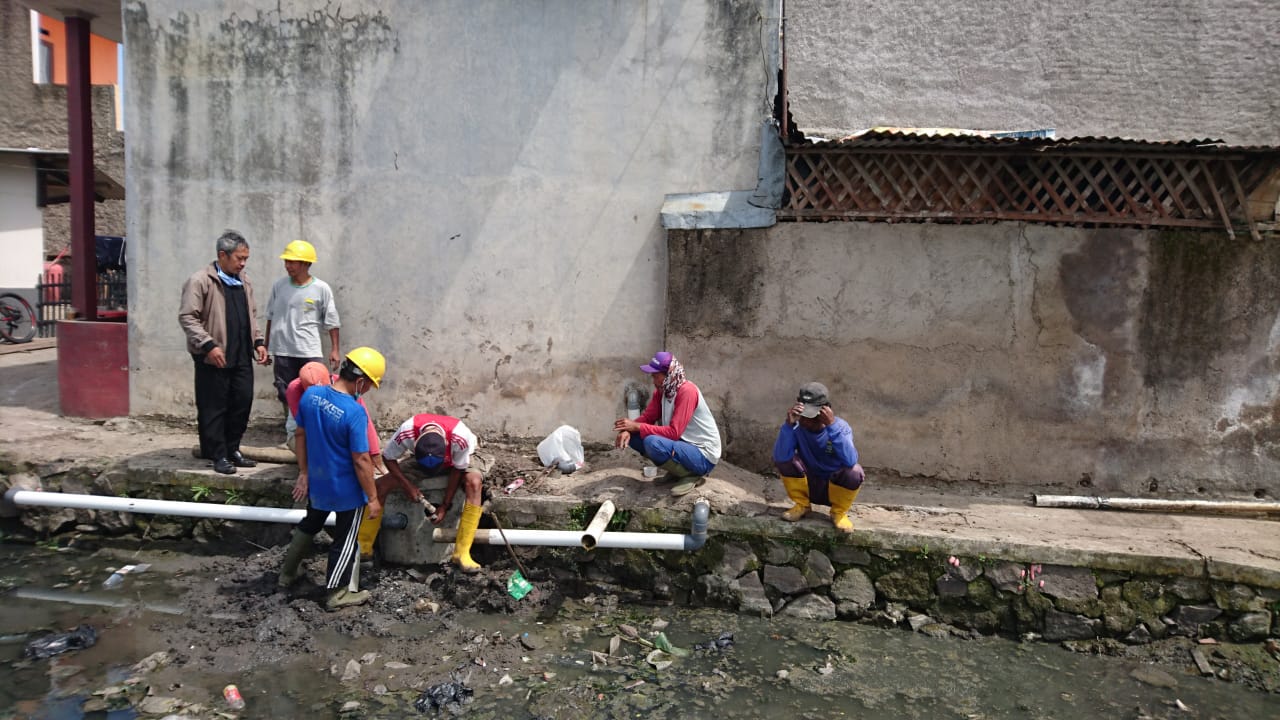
[(694, 540)]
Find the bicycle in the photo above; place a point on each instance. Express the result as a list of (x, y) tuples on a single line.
[(17, 319)]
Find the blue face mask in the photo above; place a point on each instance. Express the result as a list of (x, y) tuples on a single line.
[(430, 462)]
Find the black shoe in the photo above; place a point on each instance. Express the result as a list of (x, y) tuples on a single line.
[(224, 466), (241, 461)]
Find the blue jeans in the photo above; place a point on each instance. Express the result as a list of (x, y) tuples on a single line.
[(660, 449)]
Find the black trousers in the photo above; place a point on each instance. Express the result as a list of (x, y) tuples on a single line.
[(223, 399), (345, 551)]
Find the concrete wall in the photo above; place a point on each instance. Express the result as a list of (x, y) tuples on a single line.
[(482, 181), (1099, 361), (1180, 69), (36, 116), (21, 233)]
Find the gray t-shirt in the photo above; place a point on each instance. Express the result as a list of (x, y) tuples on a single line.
[(297, 314)]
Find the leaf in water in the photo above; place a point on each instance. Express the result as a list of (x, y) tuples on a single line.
[(628, 631), (615, 642), (599, 658), (658, 659)]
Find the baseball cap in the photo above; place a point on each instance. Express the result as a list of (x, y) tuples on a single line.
[(429, 450), (313, 373), (814, 396), (660, 363)]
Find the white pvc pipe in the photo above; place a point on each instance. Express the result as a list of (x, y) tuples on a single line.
[(77, 598), (1090, 502), (696, 538), (571, 538), (591, 536), (37, 498)]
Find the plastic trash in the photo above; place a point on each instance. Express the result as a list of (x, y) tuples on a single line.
[(451, 695), (724, 642), (564, 444), (662, 643), (513, 486), (117, 577), (82, 637), (517, 586), (233, 697)]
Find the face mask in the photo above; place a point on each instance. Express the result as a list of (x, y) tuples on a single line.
[(430, 462)]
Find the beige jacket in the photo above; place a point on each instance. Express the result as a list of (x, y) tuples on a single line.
[(203, 312)]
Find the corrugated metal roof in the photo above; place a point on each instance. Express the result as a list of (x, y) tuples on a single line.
[(948, 138)]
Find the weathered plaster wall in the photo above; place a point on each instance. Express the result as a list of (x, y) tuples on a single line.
[(482, 181), (21, 238), (34, 115), (1180, 69), (1118, 361)]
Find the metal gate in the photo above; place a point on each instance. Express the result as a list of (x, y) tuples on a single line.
[(53, 299)]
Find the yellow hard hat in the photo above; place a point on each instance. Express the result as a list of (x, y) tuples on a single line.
[(370, 362), (299, 250)]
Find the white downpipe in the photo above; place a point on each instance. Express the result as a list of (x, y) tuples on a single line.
[(36, 498), (696, 538), (591, 536)]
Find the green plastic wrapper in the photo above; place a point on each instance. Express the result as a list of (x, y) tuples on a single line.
[(517, 586), (662, 643)]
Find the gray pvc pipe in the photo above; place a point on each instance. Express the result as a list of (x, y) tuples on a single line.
[(696, 538)]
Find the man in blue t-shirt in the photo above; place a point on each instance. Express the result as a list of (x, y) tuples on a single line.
[(335, 472), (816, 459)]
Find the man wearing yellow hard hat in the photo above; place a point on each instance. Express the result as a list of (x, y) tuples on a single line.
[(300, 307), (335, 473)]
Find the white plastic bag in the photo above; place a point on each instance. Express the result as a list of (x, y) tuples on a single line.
[(563, 445)]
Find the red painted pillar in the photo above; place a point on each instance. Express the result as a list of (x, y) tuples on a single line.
[(84, 255)]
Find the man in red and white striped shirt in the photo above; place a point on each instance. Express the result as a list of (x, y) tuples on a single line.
[(441, 444)]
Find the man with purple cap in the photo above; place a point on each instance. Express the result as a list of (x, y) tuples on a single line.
[(816, 459), (676, 431)]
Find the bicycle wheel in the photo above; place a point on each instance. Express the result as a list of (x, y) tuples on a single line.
[(17, 319)]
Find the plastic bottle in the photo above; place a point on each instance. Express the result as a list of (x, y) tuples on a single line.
[(232, 694), (633, 402), (113, 581)]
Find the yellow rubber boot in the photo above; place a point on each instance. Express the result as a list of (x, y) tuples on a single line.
[(798, 491), (467, 525), (367, 533), (841, 500)]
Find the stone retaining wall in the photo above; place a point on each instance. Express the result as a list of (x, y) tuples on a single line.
[(926, 590)]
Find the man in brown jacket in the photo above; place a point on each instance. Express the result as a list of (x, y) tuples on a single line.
[(221, 323)]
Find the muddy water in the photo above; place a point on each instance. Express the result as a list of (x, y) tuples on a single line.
[(774, 669)]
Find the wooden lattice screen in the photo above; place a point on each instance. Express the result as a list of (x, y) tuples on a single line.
[(1056, 186)]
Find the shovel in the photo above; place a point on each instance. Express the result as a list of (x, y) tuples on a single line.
[(517, 585)]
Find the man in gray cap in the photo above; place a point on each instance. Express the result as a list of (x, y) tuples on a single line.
[(816, 459)]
